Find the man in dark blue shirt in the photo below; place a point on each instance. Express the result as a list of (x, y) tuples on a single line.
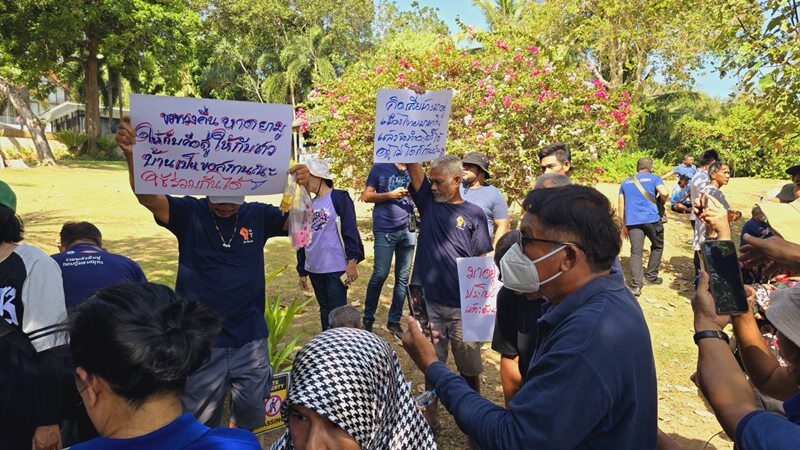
[(639, 216), (591, 382), (86, 267), (393, 226), (221, 264), (757, 226), (451, 228)]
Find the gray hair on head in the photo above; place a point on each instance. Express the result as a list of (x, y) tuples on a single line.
[(450, 164), (552, 180), (344, 316)]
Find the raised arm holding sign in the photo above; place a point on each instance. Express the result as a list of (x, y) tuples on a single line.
[(221, 238)]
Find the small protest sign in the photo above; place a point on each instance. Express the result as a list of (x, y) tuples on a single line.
[(211, 147), (411, 127), (478, 283)]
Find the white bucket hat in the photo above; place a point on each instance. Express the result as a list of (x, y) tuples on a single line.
[(319, 168), (784, 312)]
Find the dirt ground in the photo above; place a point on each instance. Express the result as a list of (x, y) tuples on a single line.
[(98, 192)]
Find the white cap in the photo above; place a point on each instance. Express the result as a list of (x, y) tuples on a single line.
[(234, 200), (319, 168)]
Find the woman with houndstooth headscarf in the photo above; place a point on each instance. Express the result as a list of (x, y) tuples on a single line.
[(347, 391)]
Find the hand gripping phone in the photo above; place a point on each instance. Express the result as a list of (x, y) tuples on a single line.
[(727, 287), (419, 309)]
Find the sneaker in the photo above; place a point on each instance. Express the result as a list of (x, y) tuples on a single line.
[(395, 329), (637, 291), (655, 282), (368, 326)]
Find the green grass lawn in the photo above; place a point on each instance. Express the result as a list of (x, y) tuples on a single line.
[(98, 192)]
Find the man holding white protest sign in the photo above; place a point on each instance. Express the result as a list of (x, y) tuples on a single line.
[(222, 153), (450, 229)]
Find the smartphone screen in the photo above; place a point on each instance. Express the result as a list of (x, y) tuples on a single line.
[(419, 308), (727, 287)]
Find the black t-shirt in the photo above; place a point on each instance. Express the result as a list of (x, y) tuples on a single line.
[(515, 327)]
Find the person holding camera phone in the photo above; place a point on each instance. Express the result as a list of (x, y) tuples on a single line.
[(394, 227), (719, 376), (331, 259)]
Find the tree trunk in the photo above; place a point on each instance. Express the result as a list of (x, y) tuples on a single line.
[(92, 97), (43, 152)]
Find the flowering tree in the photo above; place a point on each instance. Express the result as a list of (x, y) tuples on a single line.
[(509, 101)]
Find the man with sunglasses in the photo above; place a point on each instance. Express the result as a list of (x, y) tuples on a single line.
[(591, 382)]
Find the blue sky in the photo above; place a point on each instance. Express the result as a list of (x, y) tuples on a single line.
[(449, 10)]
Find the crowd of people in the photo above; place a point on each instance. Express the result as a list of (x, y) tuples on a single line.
[(93, 355)]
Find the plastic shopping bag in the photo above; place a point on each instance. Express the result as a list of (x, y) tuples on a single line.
[(300, 215)]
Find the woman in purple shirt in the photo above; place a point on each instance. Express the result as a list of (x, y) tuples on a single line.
[(331, 259)]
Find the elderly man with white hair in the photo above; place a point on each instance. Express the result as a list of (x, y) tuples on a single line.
[(451, 228)]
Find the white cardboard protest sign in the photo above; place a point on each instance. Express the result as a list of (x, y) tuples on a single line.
[(211, 147), (478, 285), (411, 127)]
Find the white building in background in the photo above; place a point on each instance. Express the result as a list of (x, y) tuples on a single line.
[(58, 113)]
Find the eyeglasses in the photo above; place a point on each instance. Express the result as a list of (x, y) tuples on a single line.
[(524, 240)]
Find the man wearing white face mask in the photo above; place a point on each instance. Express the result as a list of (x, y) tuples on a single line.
[(593, 362)]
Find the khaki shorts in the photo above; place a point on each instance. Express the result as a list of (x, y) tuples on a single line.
[(447, 321)]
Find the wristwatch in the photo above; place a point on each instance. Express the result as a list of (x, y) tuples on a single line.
[(710, 334)]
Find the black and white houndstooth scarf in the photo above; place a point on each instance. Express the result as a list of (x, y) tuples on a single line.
[(353, 378)]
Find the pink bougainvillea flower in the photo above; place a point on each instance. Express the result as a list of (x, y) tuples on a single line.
[(587, 108), (621, 143), (625, 96), (501, 44), (533, 49), (507, 101), (602, 123), (598, 84), (601, 94), (516, 107)]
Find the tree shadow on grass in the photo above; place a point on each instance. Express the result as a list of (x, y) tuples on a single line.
[(682, 269), (697, 444)]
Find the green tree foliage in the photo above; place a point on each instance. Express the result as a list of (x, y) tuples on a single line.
[(508, 102), (146, 41), (766, 57), (629, 42), (307, 39), (502, 13)]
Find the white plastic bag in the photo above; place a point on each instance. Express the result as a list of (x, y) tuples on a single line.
[(300, 216)]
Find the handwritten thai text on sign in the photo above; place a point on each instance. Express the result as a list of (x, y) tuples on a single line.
[(479, 284), (411, 127), (212, 147)]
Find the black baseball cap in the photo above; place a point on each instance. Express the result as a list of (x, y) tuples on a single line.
[(478, 159), (793, 170)]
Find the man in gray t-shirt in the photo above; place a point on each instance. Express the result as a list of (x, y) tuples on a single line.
[(489, 198)]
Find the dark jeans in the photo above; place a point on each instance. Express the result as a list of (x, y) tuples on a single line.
[(401, 244), (330, 292), (636, 233)]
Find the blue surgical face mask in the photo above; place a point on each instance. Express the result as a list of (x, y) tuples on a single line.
[(519, 272)]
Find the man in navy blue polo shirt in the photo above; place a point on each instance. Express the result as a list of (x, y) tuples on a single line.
[(591, 382), (639, 215), (86, 267), (451, 228), (221, 264)]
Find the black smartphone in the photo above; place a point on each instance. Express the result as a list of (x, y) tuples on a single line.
[(419, 308), (727, 287)]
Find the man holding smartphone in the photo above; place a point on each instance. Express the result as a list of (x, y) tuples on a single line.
[(394, 230), (591, 381)]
